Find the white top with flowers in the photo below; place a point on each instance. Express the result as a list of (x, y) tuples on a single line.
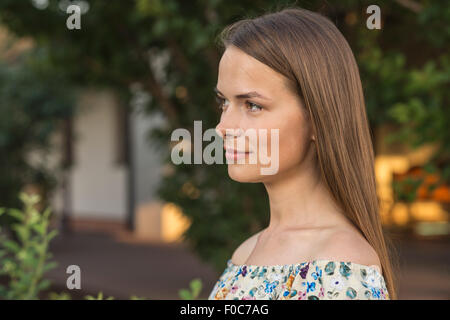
[(314, 280)]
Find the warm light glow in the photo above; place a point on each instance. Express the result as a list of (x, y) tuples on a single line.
[(428, 211), (173, 223), (385, 166), (400, 215)]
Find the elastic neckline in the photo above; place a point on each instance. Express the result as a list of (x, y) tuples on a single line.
[(317, 261)]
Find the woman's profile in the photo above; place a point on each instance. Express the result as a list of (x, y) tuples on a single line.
[(293, 71)]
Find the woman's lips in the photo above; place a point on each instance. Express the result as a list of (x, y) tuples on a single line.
[(235, 155)]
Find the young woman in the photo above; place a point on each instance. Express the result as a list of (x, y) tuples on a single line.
[(293, 71)]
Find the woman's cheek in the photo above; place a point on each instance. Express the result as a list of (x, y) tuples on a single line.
[(290, 148)]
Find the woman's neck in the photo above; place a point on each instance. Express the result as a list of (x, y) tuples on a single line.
[(300, 199)]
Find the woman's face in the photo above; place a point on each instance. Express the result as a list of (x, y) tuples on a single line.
[(276, 109)]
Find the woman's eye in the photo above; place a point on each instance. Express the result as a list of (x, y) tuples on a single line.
[(253, 107), (220, 101)]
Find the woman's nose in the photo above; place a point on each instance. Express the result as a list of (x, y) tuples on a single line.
[(229, 125), (226, 131)]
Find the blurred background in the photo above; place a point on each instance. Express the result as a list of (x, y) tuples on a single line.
[(86, 117)]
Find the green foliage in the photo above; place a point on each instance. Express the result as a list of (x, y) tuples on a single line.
[(25, 262), (99, 297), (33, 102), (195, 288), (134, 297), (66, 296), (59, 296), (406, 76), (406, 190)]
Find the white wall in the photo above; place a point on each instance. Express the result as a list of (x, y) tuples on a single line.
[(98, 184), (147, 159)]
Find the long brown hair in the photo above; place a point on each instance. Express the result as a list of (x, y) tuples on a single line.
[(308, 49)]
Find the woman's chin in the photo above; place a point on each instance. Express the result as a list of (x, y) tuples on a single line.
[(244, 173)]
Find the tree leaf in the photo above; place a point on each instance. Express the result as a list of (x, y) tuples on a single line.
[(16, 213), (196, 286), (49, 266), (185, 294), (12, 246)]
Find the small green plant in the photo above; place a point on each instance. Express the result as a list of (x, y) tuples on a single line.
[(25, 261), (99, 297), (134, 297), (195, 286), (59, 296)]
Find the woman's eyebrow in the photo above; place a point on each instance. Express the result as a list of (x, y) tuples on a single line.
[(251, 94)]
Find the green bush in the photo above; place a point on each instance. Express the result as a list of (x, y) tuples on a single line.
[(33, 106), (24, 262)]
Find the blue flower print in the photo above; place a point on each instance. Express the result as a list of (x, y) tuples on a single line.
[(310, 286), (317, 274), (318, 279), (243, 271), (262, 273), (270, 286), (376, 292)]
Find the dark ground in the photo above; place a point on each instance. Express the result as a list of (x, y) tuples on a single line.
[(122, 269)]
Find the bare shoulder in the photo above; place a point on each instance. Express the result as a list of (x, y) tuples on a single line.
[(348, 245), (244, 250)]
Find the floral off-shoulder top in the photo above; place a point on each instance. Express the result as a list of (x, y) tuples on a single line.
[(314, 280)]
